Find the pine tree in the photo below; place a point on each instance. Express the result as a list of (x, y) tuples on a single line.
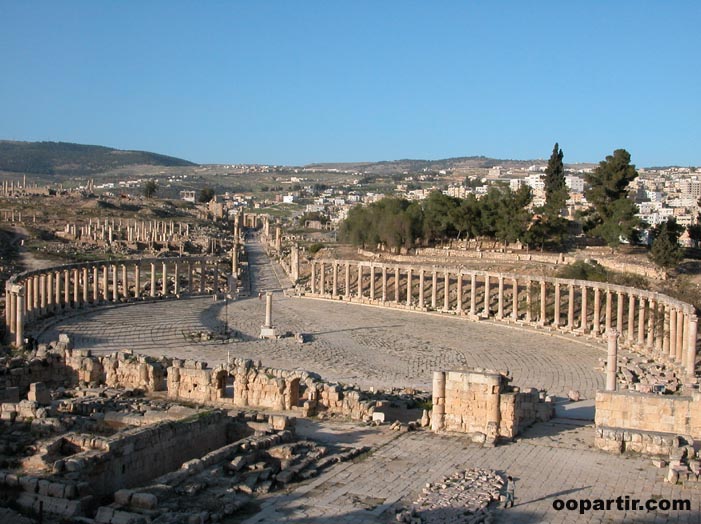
[(666, 251), (555, 189)]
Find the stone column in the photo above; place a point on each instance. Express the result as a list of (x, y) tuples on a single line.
[(322, 278), (50, 291), (597, 312), (543, 303), (641, 321), (12, 307), (570, 308), (609, 307), (691, 345), (312, 278), (679, 356), (203, 274), (384, 284), (137, 279), (666, 331), (612, 360), (434, 289), (372, 282), (408, 287), (8, 320), (334, 279), (485, 310), (650, 342), (115, 284), (473, 294), (421, 288), (57, 291), (125, 282), (66, 287), (556, 312), (619, 311), (446, 291), (84, 285), (268, 309), (42, 292), (347, 280), (458, 303), (35, 298), (105, 284), (529, 302), (673, 333), (500, 310), (235, 260), (360, 281), (438, 411), (584, 314), (514, 299), (153, 279), (95, 284), (76, 282), (396, 285), (164, 281), (19, 311), (631, 318)]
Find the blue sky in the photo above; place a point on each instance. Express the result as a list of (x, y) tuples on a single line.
[(297, 82)]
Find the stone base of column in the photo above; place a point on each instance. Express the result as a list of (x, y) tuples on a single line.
[(268, 333)]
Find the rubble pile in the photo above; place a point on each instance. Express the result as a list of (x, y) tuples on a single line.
[(463, 497), (645, 375)]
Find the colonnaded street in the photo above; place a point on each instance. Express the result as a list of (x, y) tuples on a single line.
[(379, 347)]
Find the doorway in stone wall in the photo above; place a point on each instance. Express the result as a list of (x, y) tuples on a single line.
[(225, 385)]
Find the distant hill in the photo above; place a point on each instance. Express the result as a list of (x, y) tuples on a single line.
[(64, 158)]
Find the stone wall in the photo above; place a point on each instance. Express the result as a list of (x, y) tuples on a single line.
[(645, 423), (482, 403)]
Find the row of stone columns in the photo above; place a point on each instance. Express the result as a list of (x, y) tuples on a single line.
[(659, 326), (52, 290)]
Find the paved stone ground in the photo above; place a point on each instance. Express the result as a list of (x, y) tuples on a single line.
[(550, 461), (365, 345)]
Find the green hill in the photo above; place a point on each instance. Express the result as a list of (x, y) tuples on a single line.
[(64, 158)]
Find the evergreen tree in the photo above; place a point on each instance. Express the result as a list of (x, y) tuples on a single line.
[(150, 189), (612, 216), (666, 251), (555, 189)]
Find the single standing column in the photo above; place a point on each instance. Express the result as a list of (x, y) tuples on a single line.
[(322, 278), (570, 308), (95, 284), (268, 309), (672, 333), (631, 318), (384, 284), (408, 287), (612, 360), (50, 291), (235, 260), (396, 285), (665, 331), (651, 325), (312, 279), (619, 311), (85, 285), (679, 357), (584, 313), (347, 280), (438, 411), (556, 313), (203, 275), (529, 302), (446, 291), (543, 311), (19, 311), (691, 345), (485, 311), (105, 284), (115, 284), (597, 312), (66, 287), (458, 304), (164, 282), (514, 300), (76, 282), (641, 321), (372, 282), (473, 294), (153, 280), (334, 280), (421, 288), (434, 289), (500, 310), (137, 279)]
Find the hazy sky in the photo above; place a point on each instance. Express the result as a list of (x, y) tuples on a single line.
[(293, 82)]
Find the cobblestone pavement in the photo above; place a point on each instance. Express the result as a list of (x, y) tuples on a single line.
[(550, 461), (364, 345)]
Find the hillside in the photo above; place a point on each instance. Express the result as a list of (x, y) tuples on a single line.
[(64, 158)]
